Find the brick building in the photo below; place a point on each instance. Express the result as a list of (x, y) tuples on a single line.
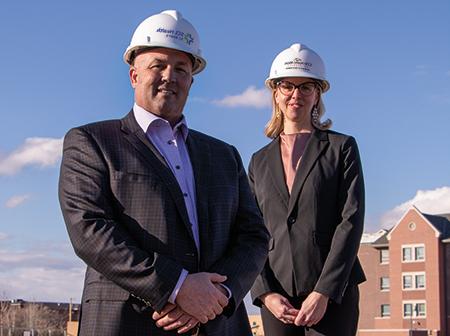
[(407, 291)]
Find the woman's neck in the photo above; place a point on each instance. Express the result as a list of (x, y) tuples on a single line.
[(297, 127)]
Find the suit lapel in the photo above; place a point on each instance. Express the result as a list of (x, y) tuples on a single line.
[(136, 136), (275, 164), (316, 145), (200, 156)]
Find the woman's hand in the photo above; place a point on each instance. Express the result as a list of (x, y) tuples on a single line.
[(280, 307), (312, 310)]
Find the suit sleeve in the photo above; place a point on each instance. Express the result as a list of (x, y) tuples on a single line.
[(249, 244), (264, 282), (95, 228), (346, 239)]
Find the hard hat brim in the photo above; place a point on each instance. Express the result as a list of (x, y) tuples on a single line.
[(198, 65), (269, 82)]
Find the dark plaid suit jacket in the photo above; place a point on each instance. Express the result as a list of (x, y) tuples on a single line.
[(126, 218)]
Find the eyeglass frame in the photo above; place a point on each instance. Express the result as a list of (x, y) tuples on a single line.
[(315, 83)]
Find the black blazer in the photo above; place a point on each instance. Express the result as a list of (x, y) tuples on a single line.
[(316, 231), (126, 218)]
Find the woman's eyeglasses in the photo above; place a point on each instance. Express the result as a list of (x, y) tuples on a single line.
[(287, 88)]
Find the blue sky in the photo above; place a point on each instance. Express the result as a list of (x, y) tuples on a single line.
[(61, 65)]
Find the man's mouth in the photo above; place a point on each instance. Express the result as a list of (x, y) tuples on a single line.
[(167, 91)]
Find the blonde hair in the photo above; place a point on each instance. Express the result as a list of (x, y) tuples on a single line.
[(276, 123)]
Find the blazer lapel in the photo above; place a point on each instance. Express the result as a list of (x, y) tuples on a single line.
[(275, 164), (200, 156), (316, 145), (136, 136)]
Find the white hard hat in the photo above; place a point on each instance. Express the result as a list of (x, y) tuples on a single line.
[(167, 29), (298, 61)]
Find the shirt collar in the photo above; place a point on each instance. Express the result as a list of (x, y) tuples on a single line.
[(145, 119)]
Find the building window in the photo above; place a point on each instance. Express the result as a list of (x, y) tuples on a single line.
[(384, 283), (407, 309), (413, 280), (407, 255), (413, 253), (385, 310), (407, 281), (420, 281), (420, 252), (384, 256), (414, 309), (420, 309)]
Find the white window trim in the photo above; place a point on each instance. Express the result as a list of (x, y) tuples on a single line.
[(414, 283), (413, 253), (414, 304), (388, 258), (387, 316), (385, 289)]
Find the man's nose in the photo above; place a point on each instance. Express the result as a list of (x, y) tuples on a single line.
[(168, 74)]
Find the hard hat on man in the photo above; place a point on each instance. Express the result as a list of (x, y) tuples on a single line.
[(167, 29)]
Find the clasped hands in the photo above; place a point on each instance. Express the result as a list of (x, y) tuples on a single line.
[(201, 298), (311, 311)]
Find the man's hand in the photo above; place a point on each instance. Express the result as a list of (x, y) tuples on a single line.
[(280, 307), (172, 317), (312, 310), (199, 297)]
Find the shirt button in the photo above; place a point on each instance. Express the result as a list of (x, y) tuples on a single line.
[(177, 167), (185, 194), (291, 220), (169, 142)]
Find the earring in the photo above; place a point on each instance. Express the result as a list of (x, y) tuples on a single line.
[(315, 115)]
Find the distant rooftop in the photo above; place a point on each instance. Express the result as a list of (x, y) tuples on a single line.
[(370, 238), (441, 223)]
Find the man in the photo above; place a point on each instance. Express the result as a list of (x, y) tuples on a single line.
[(162, 215)]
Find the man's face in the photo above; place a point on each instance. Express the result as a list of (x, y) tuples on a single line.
[(161, 79)]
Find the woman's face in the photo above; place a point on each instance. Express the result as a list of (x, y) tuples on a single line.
[(297, 102)]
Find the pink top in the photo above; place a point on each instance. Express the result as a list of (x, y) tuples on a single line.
[(292, 148)]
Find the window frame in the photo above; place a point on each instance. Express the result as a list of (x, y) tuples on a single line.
[(384, 260), (413, 248), (414, 304), (385, 313), (385, 288)]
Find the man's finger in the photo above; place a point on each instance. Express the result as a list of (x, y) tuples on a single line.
[(192, 323), (166, 309), (181, 321), (214, 277), (171, 317)]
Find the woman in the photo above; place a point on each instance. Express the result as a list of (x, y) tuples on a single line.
[(309, 186)]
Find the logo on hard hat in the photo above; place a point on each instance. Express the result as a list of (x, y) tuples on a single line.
[(188, 38), (177, 35)]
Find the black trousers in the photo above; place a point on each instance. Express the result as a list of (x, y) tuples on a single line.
[(339, 319)]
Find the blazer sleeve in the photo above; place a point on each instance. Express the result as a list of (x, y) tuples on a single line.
[(248, 249), (265, 281), (95, 230), (346, 239)]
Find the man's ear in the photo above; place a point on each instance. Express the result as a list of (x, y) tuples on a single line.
[(133, 76)]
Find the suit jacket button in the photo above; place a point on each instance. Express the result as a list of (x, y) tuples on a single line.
[(291, 220)]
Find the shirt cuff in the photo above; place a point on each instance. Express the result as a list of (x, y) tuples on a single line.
[(180, 281), (228, 290)]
